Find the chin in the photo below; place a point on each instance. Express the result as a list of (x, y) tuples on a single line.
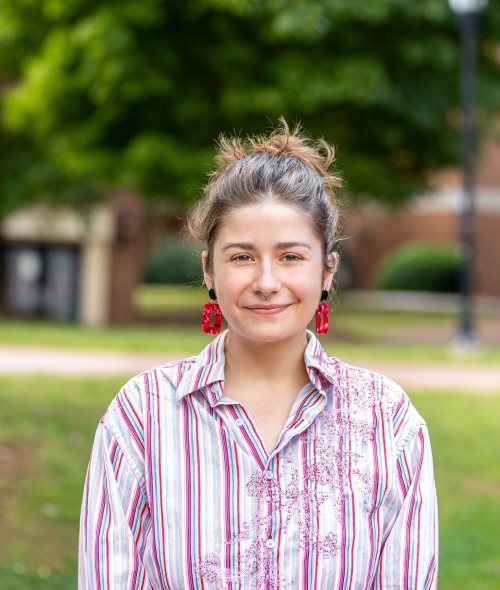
[(268, 332)]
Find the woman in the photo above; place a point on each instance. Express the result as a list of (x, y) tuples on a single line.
[(262, 463)]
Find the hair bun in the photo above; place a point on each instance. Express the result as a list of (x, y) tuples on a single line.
[(281, 143)]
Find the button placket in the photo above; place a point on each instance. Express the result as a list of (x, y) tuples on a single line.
[(271, 497), (270, 483)]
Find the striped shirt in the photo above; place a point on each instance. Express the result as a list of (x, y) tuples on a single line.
[(182, 494)]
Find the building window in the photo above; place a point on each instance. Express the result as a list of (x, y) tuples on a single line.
[(41, 280)]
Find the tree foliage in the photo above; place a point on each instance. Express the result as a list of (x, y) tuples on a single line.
[(133, 92)]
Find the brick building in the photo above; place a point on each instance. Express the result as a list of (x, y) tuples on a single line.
[(433, 218)]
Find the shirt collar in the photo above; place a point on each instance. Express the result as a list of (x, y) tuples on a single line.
[(208, 368)]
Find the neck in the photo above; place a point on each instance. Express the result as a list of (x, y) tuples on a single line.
[(270, 361)]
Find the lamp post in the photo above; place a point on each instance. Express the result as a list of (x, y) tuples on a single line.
[(467, 12)]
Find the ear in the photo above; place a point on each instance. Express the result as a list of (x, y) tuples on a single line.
[(207, 279), (333, 263), (335, 260)]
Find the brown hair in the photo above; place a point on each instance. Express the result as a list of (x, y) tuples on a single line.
[(284, 167)]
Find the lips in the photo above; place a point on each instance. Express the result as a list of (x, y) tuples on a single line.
[(267, 309)]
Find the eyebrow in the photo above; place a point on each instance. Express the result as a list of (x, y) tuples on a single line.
[(239, 245), (278, 246), (287, 245)]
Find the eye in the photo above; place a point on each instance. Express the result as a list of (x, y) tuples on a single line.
[(291, 257), (242, 258)]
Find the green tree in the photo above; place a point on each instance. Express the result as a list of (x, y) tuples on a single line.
[(132, 92)]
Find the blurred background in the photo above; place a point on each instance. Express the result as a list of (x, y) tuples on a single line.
[(109, 112)]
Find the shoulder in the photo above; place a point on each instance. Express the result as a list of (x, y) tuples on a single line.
[(360, 390), (142, 395)]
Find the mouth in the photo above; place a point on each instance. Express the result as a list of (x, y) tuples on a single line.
[(267, 309)]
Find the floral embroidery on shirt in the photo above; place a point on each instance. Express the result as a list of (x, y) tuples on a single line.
[(333, 434), (359, 389), (257, 562)]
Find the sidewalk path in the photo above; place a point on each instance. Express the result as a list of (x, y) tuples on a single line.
[(24, 360), (21, 360)]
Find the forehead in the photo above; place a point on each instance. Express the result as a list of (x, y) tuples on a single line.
[(266, 223)]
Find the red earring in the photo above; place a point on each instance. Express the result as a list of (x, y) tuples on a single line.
[(322, 314), (207, 312)]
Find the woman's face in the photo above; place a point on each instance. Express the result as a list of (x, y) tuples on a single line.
[(267, 250)]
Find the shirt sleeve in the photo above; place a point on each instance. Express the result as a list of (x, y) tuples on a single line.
[(408, 560), (114, 520)]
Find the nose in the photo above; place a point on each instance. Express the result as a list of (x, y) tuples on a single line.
[(266, 280)]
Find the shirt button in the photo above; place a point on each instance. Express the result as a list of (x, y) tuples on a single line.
[(270, 544), (269, 475), (239, 422)]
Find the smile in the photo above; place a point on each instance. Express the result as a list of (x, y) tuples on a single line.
[(267, 309)]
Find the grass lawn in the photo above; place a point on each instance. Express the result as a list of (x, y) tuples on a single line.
[(188, 340), (355, 335), (46, 431), (135, 338), (155, 298), (47, 427)]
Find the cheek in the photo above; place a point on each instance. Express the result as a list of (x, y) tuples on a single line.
[(309, 281), (229, 284)]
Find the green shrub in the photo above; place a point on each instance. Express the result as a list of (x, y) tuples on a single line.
[(420, 267), (174, 262)]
